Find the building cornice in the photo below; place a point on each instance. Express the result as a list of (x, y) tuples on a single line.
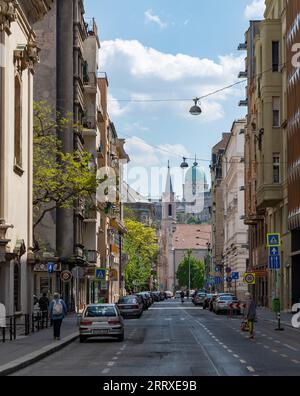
[(8, 14)]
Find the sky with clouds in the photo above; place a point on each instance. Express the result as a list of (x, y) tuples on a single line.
[(153, 49)]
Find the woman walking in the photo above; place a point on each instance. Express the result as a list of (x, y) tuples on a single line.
[(250, 313)]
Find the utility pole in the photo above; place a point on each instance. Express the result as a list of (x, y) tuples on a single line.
[(189, 255)]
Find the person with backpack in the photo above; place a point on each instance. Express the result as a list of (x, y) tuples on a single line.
[(57, 311)]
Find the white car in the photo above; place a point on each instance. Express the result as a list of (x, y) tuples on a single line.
[(169, 294)]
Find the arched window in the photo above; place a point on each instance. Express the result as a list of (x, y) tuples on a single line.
[(18, 121), (17, 287), (170, 210)]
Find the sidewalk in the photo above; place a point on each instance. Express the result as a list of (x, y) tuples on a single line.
[(268, 315), (27, 350)]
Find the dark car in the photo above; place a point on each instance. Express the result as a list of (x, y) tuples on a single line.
[(199, 298), (144, 300), (207, 300), (156, 296), (131, 306)]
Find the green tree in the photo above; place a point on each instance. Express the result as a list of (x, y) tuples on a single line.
[(197, 272), (140, 243), (60, 179)]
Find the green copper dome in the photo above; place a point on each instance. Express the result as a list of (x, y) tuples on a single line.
[(195, 175)]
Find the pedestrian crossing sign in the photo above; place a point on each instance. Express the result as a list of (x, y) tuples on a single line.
[(273, 240), (100, 273)]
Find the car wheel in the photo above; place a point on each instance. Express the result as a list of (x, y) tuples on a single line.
[(82, 339), (121, 338)]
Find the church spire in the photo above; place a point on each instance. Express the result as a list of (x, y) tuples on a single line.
[(169, 186)]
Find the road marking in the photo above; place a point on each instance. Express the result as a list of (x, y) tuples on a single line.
[(119, 353), (274, 350), (277, 342), (236, 356), (229, 350), (283, 355), (264, 335), (290, 347), (225, 347), (270, 338), (251, 369), (105, 371), (243, 361), (110, 364), (115, 358), (259, 343), (295, 361), (266, 346)]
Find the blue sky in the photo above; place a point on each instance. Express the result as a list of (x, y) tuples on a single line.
[(162, 49)]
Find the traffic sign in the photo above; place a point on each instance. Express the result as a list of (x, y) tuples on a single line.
[(228, 270), (274, 251), (66, 276), (249, 278), (218, 280), (235, 275), (229, 279), (100, 273), (273, 240), (50, 267), (274, 262)]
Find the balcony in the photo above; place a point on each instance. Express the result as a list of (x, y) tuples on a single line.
[(243, 102), (90, 82), (269, 195), (90, 125), (242, 47), (243, 74)]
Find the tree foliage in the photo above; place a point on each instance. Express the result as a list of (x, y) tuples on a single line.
[(60, 179), (140, 243), (197, 272)]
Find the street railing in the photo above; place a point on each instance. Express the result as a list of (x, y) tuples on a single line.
[(24, 325)]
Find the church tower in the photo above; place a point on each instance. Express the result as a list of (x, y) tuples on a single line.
[(168, 225)]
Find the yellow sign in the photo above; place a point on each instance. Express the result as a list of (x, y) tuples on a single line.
[(113, 275), (249, 278), (274, 240)]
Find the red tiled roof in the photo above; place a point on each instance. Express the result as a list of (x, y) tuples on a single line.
[(191, 236)]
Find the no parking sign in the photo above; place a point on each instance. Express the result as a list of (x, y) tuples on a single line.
[(249, 278)]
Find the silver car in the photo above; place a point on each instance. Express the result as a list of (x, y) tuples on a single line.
[(222, 303), (131, 306), (101, 320)]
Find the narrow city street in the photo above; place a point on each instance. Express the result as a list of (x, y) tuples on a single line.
[(172, 339)]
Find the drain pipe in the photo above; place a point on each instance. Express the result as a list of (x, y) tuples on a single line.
[(2, 121)]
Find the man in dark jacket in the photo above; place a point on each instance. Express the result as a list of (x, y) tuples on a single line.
[(250, 313), (44, 306)]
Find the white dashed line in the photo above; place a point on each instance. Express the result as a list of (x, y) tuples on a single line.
[(295, 361), (243, 361), (229, 350), (266, 346), (105, 371), (274, 350), (225, 347), (119, 353), (277, 342), (110, 364), (290, 347), (251, 369), (236, 356), (283, 355), (115, 358)]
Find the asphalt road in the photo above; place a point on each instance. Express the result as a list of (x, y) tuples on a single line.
[(172, 339)]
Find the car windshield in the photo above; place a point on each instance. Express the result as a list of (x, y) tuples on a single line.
[(99, 311), (128, 300), (227, 298), (201, 294)]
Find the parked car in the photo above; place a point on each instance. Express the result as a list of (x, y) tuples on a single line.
[(162, 296), (156, 295), (199, 298), (131, 306), (221, 304), (145, 300), (168, 294), (149, 298), (178, 294), (101, 320)]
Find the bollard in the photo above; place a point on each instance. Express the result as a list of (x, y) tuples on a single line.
[(10, 329), (3, 334), (15, 328), (32, 323), (279, 328)]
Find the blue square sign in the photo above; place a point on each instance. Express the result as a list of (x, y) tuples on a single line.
[(100, 273), (273, 240), (274, 251), (274, 262)]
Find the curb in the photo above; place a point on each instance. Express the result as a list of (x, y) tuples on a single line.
[(34, 357)]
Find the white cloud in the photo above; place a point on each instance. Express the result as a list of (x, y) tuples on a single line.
[(150, 17), (141, 73), (255, 10), (114, 107)]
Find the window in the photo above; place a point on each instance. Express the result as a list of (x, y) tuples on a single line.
[(275, 56), (17, 286), (276, 111), (170, 210), (18, 122), (276, 168)]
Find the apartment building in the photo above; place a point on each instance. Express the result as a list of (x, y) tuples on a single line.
[(217, 243), (265, 152), (235, 250), (19, 55), (293, 142)]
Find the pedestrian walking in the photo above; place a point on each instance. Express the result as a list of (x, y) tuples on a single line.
[(44, 307), (57, 311), (250, 313), (182, 296)]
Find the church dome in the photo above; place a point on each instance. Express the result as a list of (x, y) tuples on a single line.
[(196, 175)]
